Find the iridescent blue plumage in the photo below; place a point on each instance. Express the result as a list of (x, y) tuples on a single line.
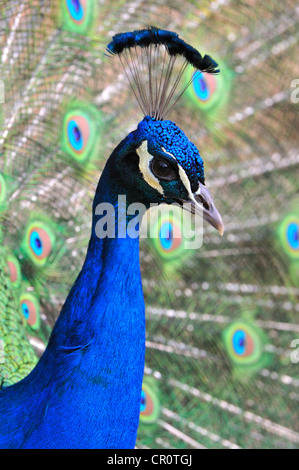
[(169, 136), (96, 348), (85, 390), (171, 40)]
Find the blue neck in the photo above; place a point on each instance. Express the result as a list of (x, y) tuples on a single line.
[(111, 268), (95, 356)]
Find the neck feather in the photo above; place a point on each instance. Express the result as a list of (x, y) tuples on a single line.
[(111, 267), (93, 366)]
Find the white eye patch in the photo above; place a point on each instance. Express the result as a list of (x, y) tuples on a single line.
[(186, 182), (184, 178), (168, 153), (145, 159)]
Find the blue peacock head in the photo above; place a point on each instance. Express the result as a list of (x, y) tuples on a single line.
[(157, 163)]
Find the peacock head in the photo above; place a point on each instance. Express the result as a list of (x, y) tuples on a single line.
[(157, 164)]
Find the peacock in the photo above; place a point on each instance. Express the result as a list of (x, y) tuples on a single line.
[(221, 336)]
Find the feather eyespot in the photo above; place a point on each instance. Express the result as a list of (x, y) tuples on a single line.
[(14, 270), (288, 233), (30, 310), (76, 9), (167, 235), (143, 401), (210, 92), (149, 404), (78, 16), (170, 236), (244, 343), (38, 242), (292, 234), (80, 132), (204, 86), (2, 190)]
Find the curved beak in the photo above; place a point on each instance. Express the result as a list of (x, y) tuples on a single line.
[(203, 203)]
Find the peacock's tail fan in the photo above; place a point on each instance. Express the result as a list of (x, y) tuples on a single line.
[(229, 323), (49, 151), (17, 356), (222, 332)]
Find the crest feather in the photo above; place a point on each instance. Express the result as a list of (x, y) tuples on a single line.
[(154, 61)]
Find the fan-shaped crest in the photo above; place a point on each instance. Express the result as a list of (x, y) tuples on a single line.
[(154, 62)]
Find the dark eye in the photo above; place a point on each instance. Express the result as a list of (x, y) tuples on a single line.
[(162, 170)]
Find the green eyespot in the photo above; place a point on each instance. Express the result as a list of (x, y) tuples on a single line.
[(30, 310), (38, 242), (149, 403), (78, 16), (81, 132)]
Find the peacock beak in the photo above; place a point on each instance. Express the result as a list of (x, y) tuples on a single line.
[(203, 202)]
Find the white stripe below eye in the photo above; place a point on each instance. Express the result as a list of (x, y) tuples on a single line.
[(168, 153), (184, 177), (186, 182), (145, 159)]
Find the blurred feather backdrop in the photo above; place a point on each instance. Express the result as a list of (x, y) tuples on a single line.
[(222, 369)]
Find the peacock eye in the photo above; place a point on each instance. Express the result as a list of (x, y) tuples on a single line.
[(162, 170)]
